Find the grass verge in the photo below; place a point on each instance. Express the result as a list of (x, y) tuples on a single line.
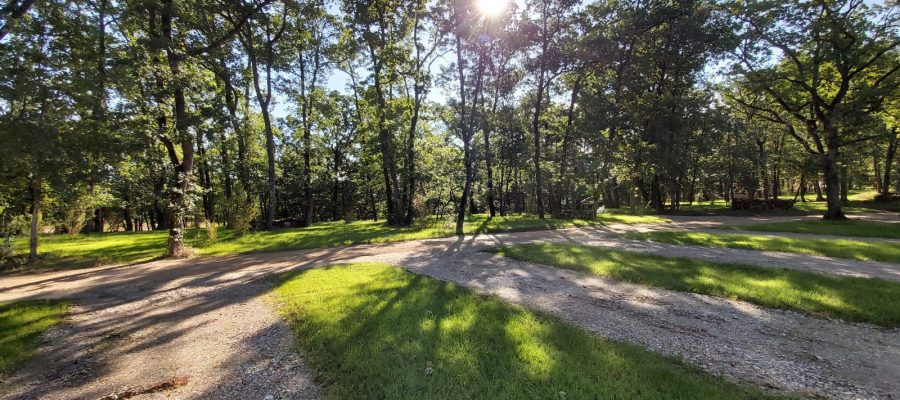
[(373, 331), (857, 299), (64, 251), (20, 325), (853, 228), (838, 248)]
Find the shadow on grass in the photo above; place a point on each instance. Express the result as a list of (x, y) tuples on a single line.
[(858, 299), (374, 331)]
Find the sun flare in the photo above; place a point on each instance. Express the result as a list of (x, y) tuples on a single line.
[(491, 8)]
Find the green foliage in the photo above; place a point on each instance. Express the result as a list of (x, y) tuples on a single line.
[(75, 213), (212, 231), (242, 211), (858, 299), (375, 331), (21, 324), (9, 258)]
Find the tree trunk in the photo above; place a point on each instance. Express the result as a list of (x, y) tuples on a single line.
[(536, 118), (888, 165), (564, 184), (832, 185), (270, 161), (467, 189), (762, 168), (845, 183), (37, 193), (466, 126), (177, 248)]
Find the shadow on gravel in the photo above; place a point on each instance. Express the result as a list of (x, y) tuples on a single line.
[(122, 311)]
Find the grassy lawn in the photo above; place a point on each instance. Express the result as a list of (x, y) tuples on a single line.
[(64, 251), (20, 325), (838, 248), (857, 299), (838, 228), (373, 331), (861, 201)]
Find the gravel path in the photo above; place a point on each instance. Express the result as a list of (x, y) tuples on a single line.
[(202, 328), (782, 350), (798, 235), (769, 259), (218, 340)]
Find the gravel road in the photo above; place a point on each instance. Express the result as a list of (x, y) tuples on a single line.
[(204, 328)]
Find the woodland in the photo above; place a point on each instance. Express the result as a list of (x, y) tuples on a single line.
[(254, 115)]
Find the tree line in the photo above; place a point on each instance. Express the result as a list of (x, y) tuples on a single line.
[(259, 114)]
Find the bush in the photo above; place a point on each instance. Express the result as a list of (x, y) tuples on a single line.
[(242, 211), (8, 257), (211, 232), (75, 214)]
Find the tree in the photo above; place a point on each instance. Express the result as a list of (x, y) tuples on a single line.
[(545, 34), (260, 37), (834, 64)]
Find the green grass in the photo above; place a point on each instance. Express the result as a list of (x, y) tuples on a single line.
[(20, 325), (861, 201), (851, 227), (64, 251), (373, 331), (857, 299), (838, 248)]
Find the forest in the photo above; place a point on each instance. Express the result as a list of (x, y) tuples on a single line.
[(137, 115)]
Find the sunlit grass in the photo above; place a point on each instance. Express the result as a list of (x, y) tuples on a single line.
[(65, 251), (851, 227), (20, 325), (858, 299), (372, 331), (861, 201), (838, 248)]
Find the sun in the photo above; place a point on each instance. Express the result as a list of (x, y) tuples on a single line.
[(491, 8)]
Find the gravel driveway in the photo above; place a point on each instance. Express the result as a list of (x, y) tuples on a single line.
[(203, 328)]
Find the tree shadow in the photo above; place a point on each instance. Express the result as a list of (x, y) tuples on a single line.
[(425, 338)]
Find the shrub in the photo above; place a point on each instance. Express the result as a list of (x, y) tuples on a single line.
[(8, 257), (242, 211), (211, 231), (75, 214)]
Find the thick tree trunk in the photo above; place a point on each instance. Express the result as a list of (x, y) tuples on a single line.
[(467, 190), (489, 171), (656, 195), (177, 247), (832, 185)]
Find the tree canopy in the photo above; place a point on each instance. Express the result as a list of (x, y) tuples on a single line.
[(262, 114)]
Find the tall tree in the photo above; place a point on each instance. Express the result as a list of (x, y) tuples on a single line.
[(260, 37), (837, 62)]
